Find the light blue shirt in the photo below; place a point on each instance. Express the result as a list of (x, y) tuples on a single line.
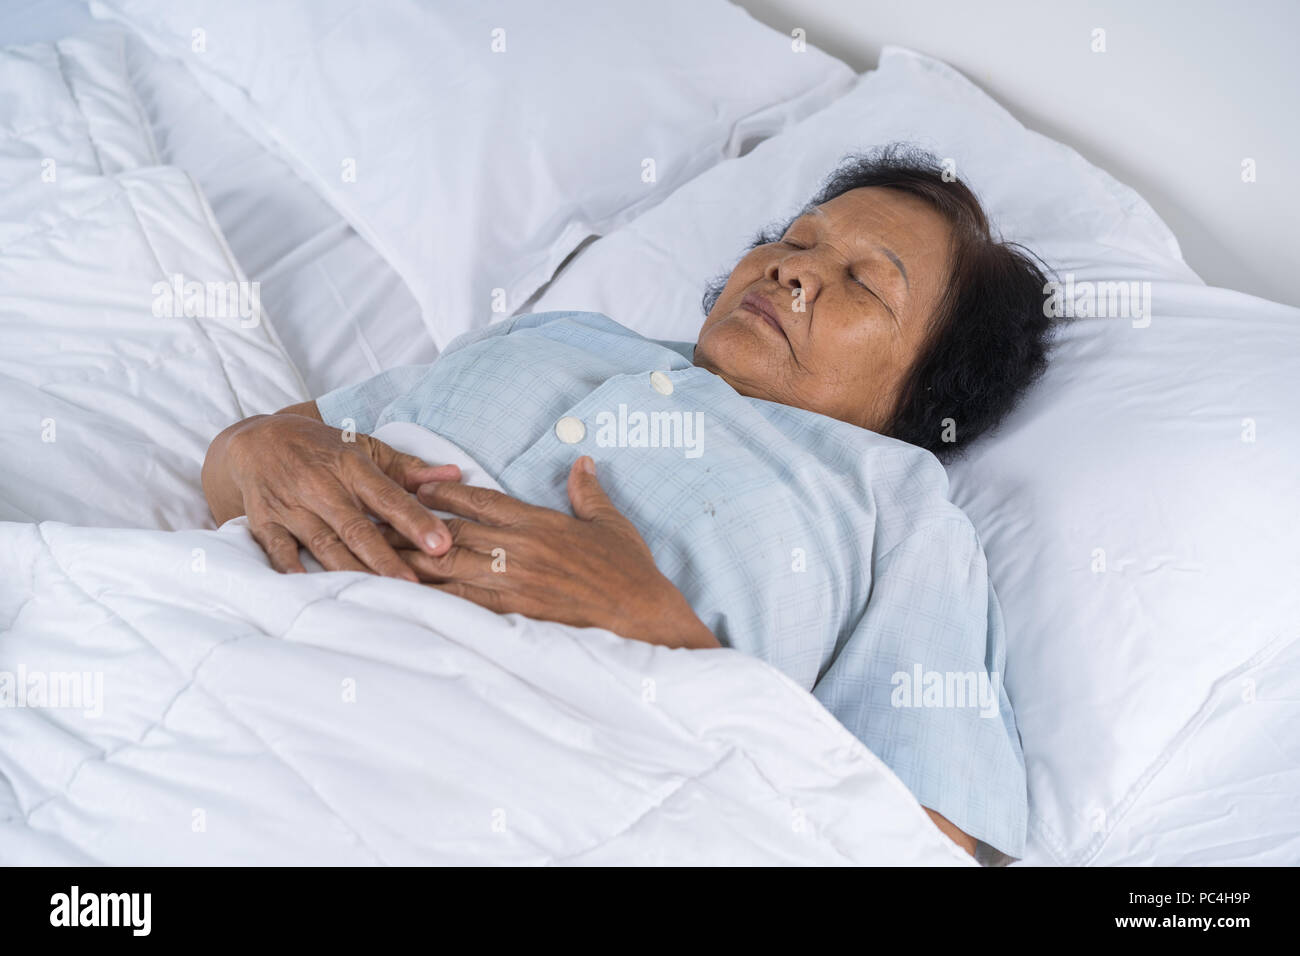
[(829, 551)]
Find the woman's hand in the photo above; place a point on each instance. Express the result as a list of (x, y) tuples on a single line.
[(591, 570), (301, 481)]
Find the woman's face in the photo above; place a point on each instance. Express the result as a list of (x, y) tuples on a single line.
[(850, 289)]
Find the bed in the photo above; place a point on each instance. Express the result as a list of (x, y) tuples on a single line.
[(172, 700)]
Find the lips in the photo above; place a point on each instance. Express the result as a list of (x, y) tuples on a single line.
[(760, 306)]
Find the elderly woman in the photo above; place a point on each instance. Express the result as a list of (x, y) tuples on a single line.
[(807, 520)]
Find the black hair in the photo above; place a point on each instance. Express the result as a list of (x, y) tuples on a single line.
[(989, 337)]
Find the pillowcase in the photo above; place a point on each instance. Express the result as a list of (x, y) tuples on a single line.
[(476, 145), (1138, 510), (1038, 191)]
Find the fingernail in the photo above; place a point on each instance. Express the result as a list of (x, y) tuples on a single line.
[(433, 540), (587, 465)]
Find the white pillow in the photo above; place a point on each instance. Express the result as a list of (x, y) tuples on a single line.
[(476, 145), (1168, 450), (1038, 191)]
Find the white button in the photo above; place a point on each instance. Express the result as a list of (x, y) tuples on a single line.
[(570, 430), (661, 383)]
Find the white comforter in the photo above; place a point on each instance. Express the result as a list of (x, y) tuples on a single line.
[(167, 698), (234, 715)]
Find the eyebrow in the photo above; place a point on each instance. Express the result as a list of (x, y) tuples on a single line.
[(898, 262)]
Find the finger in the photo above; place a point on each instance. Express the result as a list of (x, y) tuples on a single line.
[(394, 537), (421, 474), (323, 542), (493, 600), (281, 547), (458, 564), (486, 538), (464, 534), (407, 470), (391, 503), (411, 473), (360, 536), (482, 504), (590, 503)]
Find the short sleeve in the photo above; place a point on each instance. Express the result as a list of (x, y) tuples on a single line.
[(362, 406), (919, 681)]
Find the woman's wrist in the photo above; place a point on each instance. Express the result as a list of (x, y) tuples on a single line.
[(225, 500), (221, 464), (672, 622), (697, 636)]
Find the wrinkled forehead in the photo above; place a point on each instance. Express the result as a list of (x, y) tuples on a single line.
[(878, 214), (878, 222)]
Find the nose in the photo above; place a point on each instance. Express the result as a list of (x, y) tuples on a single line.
[(795, 270)]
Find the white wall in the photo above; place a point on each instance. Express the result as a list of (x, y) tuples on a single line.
[(1184, 92)]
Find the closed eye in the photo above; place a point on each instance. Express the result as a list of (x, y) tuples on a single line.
[(795, 245), (879, 298), (875, 295)]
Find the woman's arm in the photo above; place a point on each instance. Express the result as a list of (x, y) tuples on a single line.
[(303, 483)]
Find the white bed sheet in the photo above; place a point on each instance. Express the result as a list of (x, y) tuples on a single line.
[(112, 386), (340, 309), (248, 717)]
